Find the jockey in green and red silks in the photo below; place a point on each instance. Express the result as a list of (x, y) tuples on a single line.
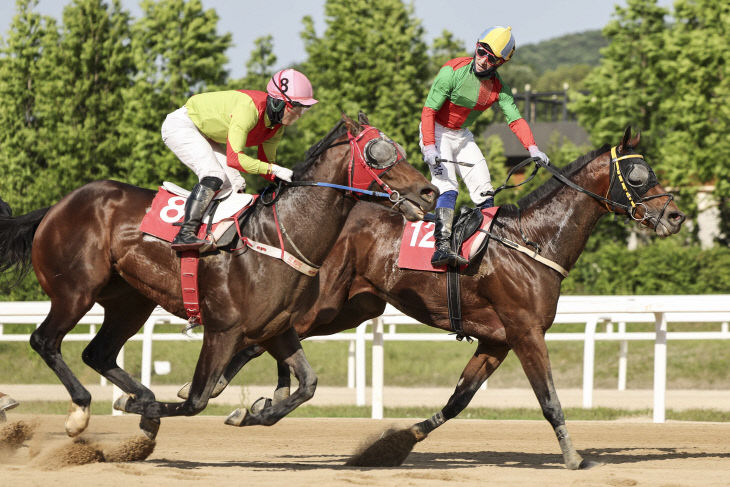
[(461, 91)]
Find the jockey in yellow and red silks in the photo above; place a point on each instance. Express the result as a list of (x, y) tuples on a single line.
[(209, 132), (461, 91)]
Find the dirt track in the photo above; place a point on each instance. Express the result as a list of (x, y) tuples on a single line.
[(300, 452)]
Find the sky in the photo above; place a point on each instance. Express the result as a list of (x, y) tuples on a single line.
[(531, 20)]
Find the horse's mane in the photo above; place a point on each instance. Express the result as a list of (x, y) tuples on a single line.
[(317, 149), (553, 184)]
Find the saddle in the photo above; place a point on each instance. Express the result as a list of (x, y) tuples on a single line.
[(219, 220)]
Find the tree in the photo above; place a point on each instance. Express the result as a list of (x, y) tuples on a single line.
[(695, 116), (177, 53), (443, 49), (369, 59), (22, 156)]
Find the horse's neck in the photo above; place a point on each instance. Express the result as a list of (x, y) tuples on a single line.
[(561, 224), (314, 216)]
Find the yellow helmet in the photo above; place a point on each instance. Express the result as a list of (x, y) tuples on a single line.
[(499, 40)]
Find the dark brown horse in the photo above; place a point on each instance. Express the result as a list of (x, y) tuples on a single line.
[(509, 300), (88, 248)]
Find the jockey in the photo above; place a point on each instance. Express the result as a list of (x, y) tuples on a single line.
[(209, 132), (461, 91)]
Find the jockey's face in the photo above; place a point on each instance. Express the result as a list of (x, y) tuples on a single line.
[(292, 114), (484, 59)]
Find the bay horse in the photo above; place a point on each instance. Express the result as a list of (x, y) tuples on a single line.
[(88, 248), (508, 299)]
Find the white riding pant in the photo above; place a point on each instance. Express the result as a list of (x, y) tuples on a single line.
[(459, 145), (202, 155)]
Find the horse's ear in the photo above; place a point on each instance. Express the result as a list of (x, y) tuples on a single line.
[(628, 141), (362, 118), (352, 126), (625, 140)]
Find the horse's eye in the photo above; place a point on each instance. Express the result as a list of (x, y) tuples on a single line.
[(637, 175), (380, 153)]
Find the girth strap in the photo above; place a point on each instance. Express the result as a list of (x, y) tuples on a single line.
[(189, 281), (453, 299)]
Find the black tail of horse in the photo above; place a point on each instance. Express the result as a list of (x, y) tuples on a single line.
[(16, 240)]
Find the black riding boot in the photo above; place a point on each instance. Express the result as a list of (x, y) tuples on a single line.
[(444, 254), (199, 199)]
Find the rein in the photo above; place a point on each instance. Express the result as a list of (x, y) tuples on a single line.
[(611, 205), (302, 264)]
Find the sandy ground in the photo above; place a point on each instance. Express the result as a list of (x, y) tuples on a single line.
[(305, 452), (435, 397)]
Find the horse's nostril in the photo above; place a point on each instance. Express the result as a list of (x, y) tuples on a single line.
[(428, 195), (676, 217)]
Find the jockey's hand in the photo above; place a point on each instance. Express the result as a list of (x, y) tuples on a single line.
[(430, 154), (535, 152), (281, 172)]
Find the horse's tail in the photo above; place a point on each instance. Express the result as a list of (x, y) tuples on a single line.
[(16, 240)]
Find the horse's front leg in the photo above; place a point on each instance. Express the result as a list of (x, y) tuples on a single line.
[(241, 358), (287, 350), (530, 348), (486, 359), (216, 353)]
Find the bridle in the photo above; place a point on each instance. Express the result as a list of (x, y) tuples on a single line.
[(628, 181), (372, 155)]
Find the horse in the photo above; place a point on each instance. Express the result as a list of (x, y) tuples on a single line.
[(87, 248), (509, 299)]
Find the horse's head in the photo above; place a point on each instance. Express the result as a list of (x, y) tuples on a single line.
[(635, 187), (376, 160)]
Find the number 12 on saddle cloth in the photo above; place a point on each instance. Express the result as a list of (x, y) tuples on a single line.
[(417, 243)]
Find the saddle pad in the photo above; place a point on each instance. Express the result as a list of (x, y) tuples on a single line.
[(168, 208), (473, 244), (417, 243)]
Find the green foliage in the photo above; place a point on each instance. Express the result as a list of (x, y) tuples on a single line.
[(367, 59), (177, 53), (666, 266), (671, 80)]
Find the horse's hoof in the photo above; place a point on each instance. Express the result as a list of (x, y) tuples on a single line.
[(3, 418), (149, 426), (7, 403), (121, 403), (237, 417), (260, 404), (586, 464), (418, 433), (184, 391), (77, 420)]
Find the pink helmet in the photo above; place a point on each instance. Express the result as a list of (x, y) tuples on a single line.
[(291, 86)]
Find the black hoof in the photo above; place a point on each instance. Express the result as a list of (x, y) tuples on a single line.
[(587, 464), (260, 404), (149, 426)]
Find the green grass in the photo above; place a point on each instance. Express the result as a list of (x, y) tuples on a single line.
[(691, 364), (416, 413)]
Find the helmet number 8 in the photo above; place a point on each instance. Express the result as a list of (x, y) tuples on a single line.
[(284, 82)]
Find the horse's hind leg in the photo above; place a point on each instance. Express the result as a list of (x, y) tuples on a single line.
[(533, 354), (46, 341), (241, 358), (124, 315), (286, 349), (482, 364)]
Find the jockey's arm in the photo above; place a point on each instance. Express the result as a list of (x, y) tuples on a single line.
[(267, 151), (437, 95), (243, 120), (517, 124)]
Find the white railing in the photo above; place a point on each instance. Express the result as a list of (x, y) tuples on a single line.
[(589, 310)]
